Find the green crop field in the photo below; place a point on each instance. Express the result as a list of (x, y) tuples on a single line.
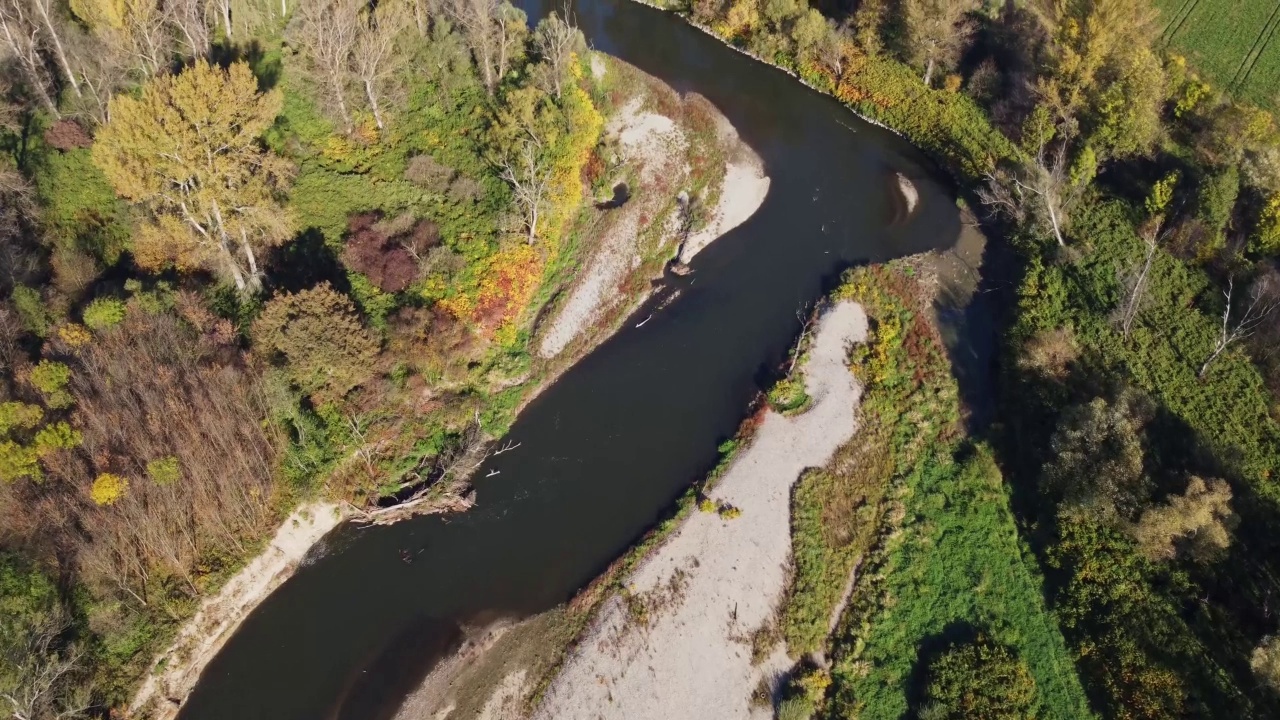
[(1233, 42)]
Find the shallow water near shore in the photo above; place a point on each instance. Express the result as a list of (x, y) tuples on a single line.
[(606, 449)]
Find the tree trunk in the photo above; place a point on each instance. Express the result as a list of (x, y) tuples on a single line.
[(1213, 356), (57, 46), (338, 96), (1053, 219), (226, 17), (373, 103), (255, 276), (1139, 288), (928, 71), (224, 247)]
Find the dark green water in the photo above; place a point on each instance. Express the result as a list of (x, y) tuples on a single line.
[(606, 450)]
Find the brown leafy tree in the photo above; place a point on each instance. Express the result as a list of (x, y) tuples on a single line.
[(389, 261), (1202, 516), (326, 349)]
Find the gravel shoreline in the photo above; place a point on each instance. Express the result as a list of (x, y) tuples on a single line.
[(717, 580)]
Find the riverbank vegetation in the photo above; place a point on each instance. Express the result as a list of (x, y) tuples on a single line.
[(255, 255), (1132, 465)]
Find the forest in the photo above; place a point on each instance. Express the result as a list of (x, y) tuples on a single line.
[(254, 253), (1118, 517), (248, 258)]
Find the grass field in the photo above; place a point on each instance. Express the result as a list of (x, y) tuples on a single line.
[(1233, 42)]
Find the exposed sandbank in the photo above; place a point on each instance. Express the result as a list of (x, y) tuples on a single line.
[(654, 147), (716, 581), (201, 637)]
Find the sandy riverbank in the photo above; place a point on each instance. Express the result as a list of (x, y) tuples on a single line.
[(716, 581), (178, 668), (653, 149)]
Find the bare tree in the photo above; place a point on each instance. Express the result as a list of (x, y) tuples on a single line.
[(222, 9), (556, 41), (145, 38), (494, 31), (325, 33), (529, 177), (45, 10), (1150, 236), (188, 17), (1045, 184), (1262, 302), (43, 676), (421, 10), (20, 35), (375, 59)]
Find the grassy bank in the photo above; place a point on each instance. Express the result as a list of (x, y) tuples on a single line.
[(922, 515)]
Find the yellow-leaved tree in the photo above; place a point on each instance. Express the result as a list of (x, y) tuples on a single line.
[(188, 150)]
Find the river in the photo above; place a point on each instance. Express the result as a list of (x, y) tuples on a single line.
[(603, 452)]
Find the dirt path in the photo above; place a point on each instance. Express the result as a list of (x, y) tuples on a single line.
[(204, 634), (680, 646)]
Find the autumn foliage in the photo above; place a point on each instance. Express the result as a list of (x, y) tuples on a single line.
[(326, 350)]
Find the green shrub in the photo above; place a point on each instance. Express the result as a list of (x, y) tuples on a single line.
[(788, 395), (50, 378), (103, 313), (35, 317), (796, 708), (978, 679), (164, 471)]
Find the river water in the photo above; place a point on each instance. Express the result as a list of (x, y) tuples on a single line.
[(605, 451)]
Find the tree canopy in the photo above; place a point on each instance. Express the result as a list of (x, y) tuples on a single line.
[(188, 150)]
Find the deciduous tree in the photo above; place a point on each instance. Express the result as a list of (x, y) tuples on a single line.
[(1202, 515), (937, 31), (495, 32), (1097, 466), (188, 151), (326, 349), (556, 42), (1103, 72), (1265, 662), (375, 56), (41, 676), (325, 33)]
